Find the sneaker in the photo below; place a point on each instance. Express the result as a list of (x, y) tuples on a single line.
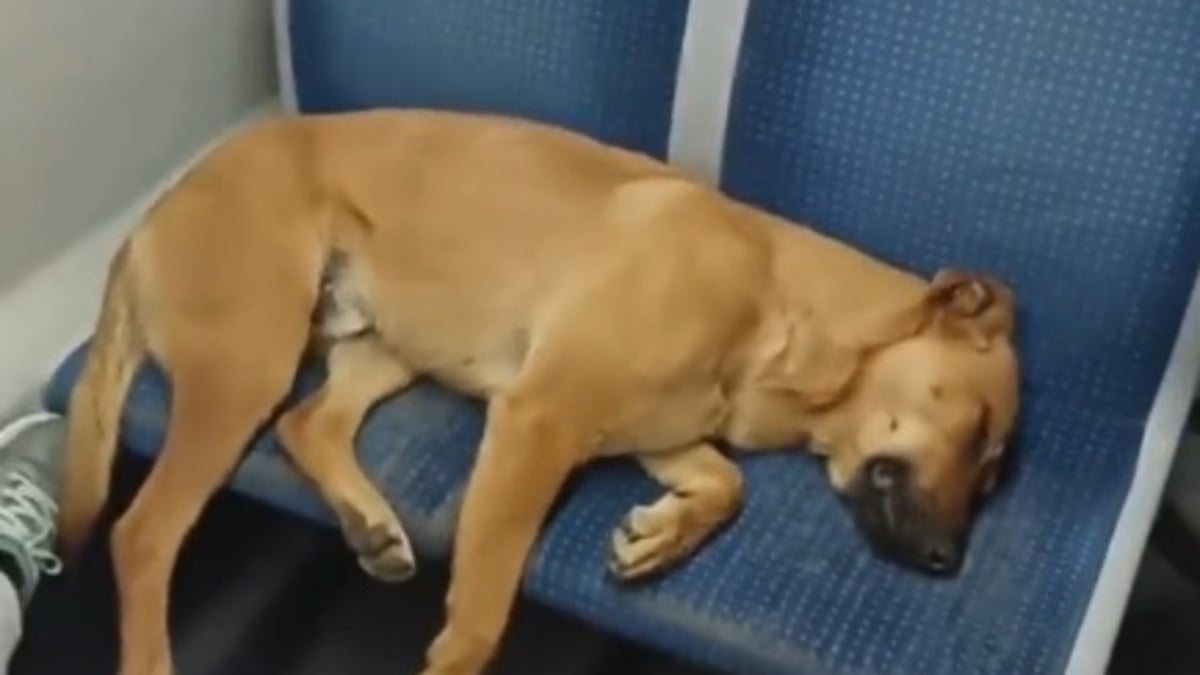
[(32, 450)]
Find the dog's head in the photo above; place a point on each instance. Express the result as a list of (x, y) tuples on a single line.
[(915, 429), (926, 425)]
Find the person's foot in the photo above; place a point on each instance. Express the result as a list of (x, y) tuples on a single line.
[(32, 450)]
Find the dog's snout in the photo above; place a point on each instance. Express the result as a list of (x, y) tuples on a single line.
[(887, 473), (896, 517), (942, 557)]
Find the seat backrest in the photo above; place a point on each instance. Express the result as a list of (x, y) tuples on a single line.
[(1054, 144), (604, 67)]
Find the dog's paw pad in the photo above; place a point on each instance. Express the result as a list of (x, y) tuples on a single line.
[(386, 553), (383, 548), (392, 564), (635, 526), (644, 542)]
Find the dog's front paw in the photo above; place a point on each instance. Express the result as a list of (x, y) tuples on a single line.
[(383, 549), (650, 539)]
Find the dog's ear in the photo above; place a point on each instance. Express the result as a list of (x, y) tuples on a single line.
[(973, 307)]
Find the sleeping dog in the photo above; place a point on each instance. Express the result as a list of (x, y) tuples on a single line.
[(602, 303)]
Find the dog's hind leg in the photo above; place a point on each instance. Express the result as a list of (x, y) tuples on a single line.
[(218, 403), (319, 436), (224, 388), (705, 492)]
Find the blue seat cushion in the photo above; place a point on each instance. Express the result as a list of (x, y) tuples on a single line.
[(791, 588)]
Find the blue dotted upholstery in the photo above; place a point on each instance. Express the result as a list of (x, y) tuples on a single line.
[(1054, 144), (604, 67)]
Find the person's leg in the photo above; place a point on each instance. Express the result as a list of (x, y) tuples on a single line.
[(10, 621), (32, 449)]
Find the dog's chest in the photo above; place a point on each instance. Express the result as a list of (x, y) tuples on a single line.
[(664, 420)]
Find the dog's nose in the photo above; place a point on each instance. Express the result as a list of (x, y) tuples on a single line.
[(887, 473), (942, 557)]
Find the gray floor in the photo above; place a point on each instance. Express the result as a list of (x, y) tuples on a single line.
[(258, 593)]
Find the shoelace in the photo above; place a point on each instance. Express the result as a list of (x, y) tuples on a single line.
[(27, 515)]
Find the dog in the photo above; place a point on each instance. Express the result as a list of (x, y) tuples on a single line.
[(602, 302)]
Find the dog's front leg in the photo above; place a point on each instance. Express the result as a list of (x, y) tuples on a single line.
[(527, 453), (705, 492)]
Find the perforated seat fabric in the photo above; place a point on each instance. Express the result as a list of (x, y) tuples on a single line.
[(1053, 145), (602, 67)]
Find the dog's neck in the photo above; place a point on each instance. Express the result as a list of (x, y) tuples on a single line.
[(819, 329)]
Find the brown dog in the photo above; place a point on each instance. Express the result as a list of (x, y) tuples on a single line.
[(602, 302)]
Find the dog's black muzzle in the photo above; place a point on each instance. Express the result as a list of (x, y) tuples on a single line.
[(888, 509)]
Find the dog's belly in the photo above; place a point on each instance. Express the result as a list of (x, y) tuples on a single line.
[(462, 344), (479, 376), (466, 339), (479, 362)]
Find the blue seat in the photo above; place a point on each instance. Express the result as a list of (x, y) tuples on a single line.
[(1052, 144)]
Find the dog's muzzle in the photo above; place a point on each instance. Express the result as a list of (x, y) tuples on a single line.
[(890, 513)]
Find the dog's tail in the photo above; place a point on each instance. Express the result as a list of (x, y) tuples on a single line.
[(94, 415)]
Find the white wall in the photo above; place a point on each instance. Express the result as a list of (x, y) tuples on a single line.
[(101, 103), (99, 99)]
